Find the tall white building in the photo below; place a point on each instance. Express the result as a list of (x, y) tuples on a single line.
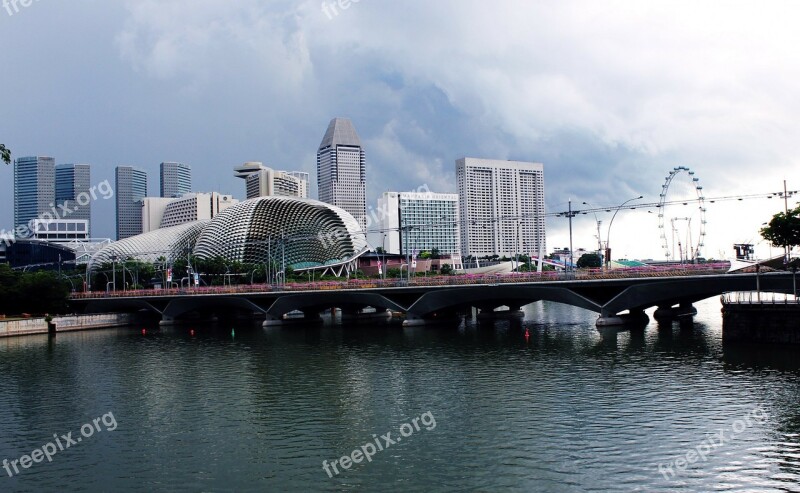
[(304, 178), (341, 170), (501, 205), (411, 222), (153, 211), (262, 181), (159, 212)]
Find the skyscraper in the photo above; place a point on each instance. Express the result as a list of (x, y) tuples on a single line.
[(262, 181), (34, 191), (341, 169), (411, 222), (72, 180), (501, 207), (131, 189), (176, 179)]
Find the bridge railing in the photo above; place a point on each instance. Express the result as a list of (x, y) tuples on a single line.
[(427, 281), (759, 298)]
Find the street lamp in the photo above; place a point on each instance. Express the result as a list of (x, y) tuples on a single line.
[(608, 236), (114, 268)]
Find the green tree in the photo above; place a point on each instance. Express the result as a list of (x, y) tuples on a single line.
[(590, 260), (784, 229), (446, 269), (5, 154)]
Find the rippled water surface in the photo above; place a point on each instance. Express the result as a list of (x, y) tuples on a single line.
[(562, 408)]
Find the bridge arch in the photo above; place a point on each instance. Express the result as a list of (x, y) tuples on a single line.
[(643, 296), (181, 306), (120, 305), (312, 302), (446, 299)]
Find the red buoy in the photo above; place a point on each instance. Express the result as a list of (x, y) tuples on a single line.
[(144, 332), (191, 332)]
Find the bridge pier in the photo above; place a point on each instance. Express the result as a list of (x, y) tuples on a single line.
[(435, 319), (635, 317), (513, 313), (358, 316), (309, 317), (684, 309)]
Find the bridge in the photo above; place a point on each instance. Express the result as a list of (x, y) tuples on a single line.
[(618, 297)]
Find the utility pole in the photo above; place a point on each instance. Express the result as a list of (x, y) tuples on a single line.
[(786, 251), (570, 215)]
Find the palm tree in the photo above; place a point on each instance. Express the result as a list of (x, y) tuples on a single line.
[(5, 154)]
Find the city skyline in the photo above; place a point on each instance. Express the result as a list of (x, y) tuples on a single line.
[(608, 120)]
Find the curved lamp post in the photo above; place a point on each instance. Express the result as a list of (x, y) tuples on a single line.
[(608, 236)]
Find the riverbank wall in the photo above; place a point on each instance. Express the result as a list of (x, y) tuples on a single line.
[(762, 322), (34, 326)]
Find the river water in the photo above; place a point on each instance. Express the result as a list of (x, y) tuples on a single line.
[(546, 405)]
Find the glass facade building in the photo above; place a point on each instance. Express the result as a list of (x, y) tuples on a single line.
[(131, 189), (34, 191), (176, 179), (412, 222), (73, 182)]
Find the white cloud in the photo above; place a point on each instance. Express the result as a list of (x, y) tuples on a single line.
[(609, 95)]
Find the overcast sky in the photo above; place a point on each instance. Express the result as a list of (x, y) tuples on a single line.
[(609, 95)]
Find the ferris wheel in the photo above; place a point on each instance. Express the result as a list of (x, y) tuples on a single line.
[(682, 229)]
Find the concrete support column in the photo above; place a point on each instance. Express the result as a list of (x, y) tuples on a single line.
[(665, 312), (639, 317), (686, 309), (607, 319), (272, 322)]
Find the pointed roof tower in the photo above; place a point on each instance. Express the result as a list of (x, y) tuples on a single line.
[(341, 132)]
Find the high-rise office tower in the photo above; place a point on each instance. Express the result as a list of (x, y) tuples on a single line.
[(131, 189), (34, 191), (501, 207), (411, 222), (73, 182), (341, 169), (176, 179)]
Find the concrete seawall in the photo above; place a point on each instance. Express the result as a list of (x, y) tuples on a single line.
[(768, 323), (32, 326)]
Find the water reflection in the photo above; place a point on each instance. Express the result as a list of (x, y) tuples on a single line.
[(548, 403)]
